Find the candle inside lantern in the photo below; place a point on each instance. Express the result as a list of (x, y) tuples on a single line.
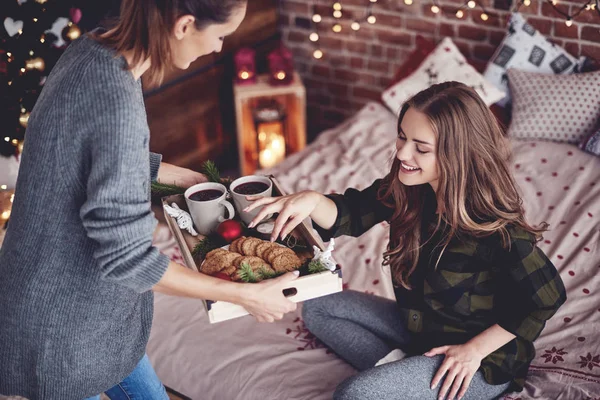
[(271, 144)]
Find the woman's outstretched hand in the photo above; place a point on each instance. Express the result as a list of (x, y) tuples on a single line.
[(460, 365), (265, 300), (292, 209)]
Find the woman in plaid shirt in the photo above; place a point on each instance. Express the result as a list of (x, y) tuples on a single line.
[(473, 291)]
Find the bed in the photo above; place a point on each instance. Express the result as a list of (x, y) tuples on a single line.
[(242, 359)]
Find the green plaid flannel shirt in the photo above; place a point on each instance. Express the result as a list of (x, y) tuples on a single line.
[(477, 283)]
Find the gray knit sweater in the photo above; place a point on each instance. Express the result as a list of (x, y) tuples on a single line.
[(77, 263)]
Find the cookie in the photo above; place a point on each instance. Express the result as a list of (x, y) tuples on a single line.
[(286, 262), (234, 246), (275, 252), (254, 262), (262, 248), (218, 262), (214, 252), (249, 245), (272, 247)]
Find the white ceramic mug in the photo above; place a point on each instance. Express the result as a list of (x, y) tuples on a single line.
[(208, 214), (240, 201)]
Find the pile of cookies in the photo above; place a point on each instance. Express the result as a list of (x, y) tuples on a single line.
[(258, 254)]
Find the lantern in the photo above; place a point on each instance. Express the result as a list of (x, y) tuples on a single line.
[(245, 66), (281, 66)]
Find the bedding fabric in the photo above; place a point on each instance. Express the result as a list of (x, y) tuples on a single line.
[(526, 49), (445, 63), (242, 359), (562, 108)]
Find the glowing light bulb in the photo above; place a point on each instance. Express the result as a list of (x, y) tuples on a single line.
[(3, 187), (355, 26), (484, 16), (318, 54), (435, 9), (471, 4), (554, 2), (337, 28), (569, 22), (314, 37), (337, 14), (337, 6), (316, 18), (527, 3), (371, 19), (460, 14), (408, 2)]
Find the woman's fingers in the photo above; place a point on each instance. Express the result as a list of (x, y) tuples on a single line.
[(440, 373), (290, 225), (259, 201), (283, 217), (450, 378), (266, 210), (458, 381), (465, 385)]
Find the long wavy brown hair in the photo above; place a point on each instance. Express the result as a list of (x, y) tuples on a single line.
[(476, 195)]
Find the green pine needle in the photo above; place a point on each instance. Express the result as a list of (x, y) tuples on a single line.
[(164, 189), (265, 273), (314, 267), (204, 246), (246, 274), (211, 171)]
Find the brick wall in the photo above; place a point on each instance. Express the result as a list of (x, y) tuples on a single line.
[(358, 66)]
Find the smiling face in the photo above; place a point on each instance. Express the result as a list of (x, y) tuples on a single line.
[(415, 145), (189, 43)]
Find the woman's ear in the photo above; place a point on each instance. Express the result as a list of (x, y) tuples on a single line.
[(183, 26)]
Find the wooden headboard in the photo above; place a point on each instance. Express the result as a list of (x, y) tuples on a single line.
[(191, 116)]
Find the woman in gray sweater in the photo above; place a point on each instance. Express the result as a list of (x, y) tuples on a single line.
[(77, 268)]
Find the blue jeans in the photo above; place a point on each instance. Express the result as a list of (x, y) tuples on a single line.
[(141, 384)]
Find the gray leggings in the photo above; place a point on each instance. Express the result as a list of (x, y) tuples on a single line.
[(362, 329)]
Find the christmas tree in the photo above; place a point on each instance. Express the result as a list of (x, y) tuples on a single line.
[(33, 36)]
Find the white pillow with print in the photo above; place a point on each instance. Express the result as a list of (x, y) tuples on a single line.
[(445, 63), (526, 49)]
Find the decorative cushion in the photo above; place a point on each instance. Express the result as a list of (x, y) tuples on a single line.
[(423, 47), (526, 49), (592, 143), (562, 108), (445, 63)]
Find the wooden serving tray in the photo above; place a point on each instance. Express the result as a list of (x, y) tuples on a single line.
[(304, 288)]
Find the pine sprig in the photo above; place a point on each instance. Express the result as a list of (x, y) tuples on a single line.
[(314, 267), (246, 274), (163, 190), (211, 171), (204, 246), (265, 273)]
